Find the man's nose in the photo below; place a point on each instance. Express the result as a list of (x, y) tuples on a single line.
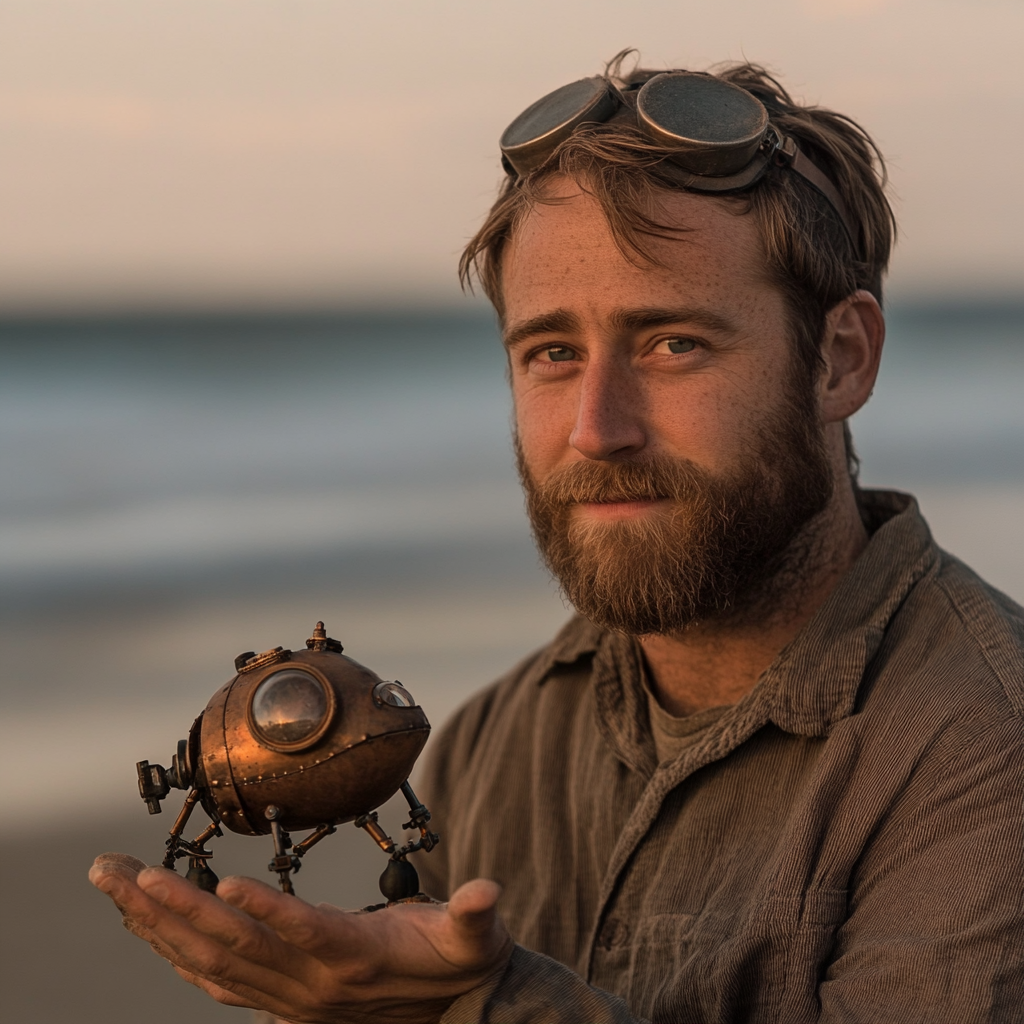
[(609, 413)]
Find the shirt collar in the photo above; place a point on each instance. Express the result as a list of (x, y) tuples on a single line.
[(813, 682), (578, 638)]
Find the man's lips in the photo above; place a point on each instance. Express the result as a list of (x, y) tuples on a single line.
[(619, 509)]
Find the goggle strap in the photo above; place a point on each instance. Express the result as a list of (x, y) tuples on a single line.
[(802, 164)]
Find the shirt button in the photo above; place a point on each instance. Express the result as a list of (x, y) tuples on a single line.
[(614, 933)]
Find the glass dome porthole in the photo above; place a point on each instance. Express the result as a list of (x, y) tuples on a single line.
[(290, 710)]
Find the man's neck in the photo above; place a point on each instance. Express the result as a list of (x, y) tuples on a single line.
[(717, 663)]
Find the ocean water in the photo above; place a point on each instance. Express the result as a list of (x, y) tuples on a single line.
[(177, 491)]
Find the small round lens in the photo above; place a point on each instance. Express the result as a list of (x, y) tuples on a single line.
[(289, 707), (393, 694)]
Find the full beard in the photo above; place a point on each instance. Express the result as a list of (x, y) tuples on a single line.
[(734, 546)]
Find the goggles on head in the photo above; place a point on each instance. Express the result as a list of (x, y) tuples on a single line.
[(720, 136)]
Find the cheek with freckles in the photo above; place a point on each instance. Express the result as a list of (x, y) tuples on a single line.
[(711, 420), (543, 429)]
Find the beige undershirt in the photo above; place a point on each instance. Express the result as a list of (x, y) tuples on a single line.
[(673, 735)]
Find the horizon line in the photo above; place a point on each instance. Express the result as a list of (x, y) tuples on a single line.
[(472, 307)]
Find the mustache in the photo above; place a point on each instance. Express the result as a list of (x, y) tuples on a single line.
[(653, 478)]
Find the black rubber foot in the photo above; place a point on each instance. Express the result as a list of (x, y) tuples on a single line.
[(399, 881), (201, 875)]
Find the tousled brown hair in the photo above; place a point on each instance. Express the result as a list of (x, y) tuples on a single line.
[(808, 253)]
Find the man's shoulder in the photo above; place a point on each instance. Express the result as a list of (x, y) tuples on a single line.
[(959, 641), (991, 623)]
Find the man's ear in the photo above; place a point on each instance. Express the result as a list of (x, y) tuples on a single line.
[(851, 350)]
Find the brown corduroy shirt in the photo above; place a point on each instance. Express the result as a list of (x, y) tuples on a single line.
[(844, 844)]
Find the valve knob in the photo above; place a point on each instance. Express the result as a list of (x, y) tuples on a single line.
[(320, 641)]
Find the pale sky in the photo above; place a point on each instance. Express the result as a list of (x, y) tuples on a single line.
[(289, 153)]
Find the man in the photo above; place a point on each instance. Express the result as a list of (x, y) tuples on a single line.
[(773, 770)]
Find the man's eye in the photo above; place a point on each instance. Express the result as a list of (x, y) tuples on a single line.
[(677, 346), (559, 354)]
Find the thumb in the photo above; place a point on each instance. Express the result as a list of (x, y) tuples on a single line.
[(473, 909)]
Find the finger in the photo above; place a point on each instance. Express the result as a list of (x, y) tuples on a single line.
[(124, 860), (238, 996), (114, 865), (118, 881), (115, 875), (174, 938), (131, 925), (222, 995), (139, 912), (183, 967), (201, 925), (310, 929), (205, 911)]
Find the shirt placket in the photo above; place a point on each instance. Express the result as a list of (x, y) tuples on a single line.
[(611, 938)]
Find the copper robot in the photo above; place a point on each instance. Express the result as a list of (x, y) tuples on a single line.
[(297, 740)]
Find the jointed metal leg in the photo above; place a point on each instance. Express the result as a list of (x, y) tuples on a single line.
[(419, 817), (199, 871), (400, 880), (300, 849), (178, 827), (375, 832), (283, 863)]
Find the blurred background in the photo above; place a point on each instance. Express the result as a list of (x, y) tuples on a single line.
[(240, 390)]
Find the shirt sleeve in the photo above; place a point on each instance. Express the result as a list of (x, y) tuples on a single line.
[(934, 929), (535, 989), (447, 757)]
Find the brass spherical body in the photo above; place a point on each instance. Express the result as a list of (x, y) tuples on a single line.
[(307, 733)]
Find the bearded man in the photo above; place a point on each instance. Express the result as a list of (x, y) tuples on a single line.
[(773, 769)]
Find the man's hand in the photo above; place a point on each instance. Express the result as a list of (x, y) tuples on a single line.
[(253, 946)]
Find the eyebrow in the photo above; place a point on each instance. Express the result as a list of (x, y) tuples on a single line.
[(561, 321), (656, 316)]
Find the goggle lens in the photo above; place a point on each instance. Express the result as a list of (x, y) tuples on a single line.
[(715, 127), (535, 134)]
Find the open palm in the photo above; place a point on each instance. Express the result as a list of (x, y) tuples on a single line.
[(253, 946)]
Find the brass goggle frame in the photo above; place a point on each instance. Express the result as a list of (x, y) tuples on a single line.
[(720, 136)]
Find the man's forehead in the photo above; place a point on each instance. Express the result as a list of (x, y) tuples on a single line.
[(565, 256)]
